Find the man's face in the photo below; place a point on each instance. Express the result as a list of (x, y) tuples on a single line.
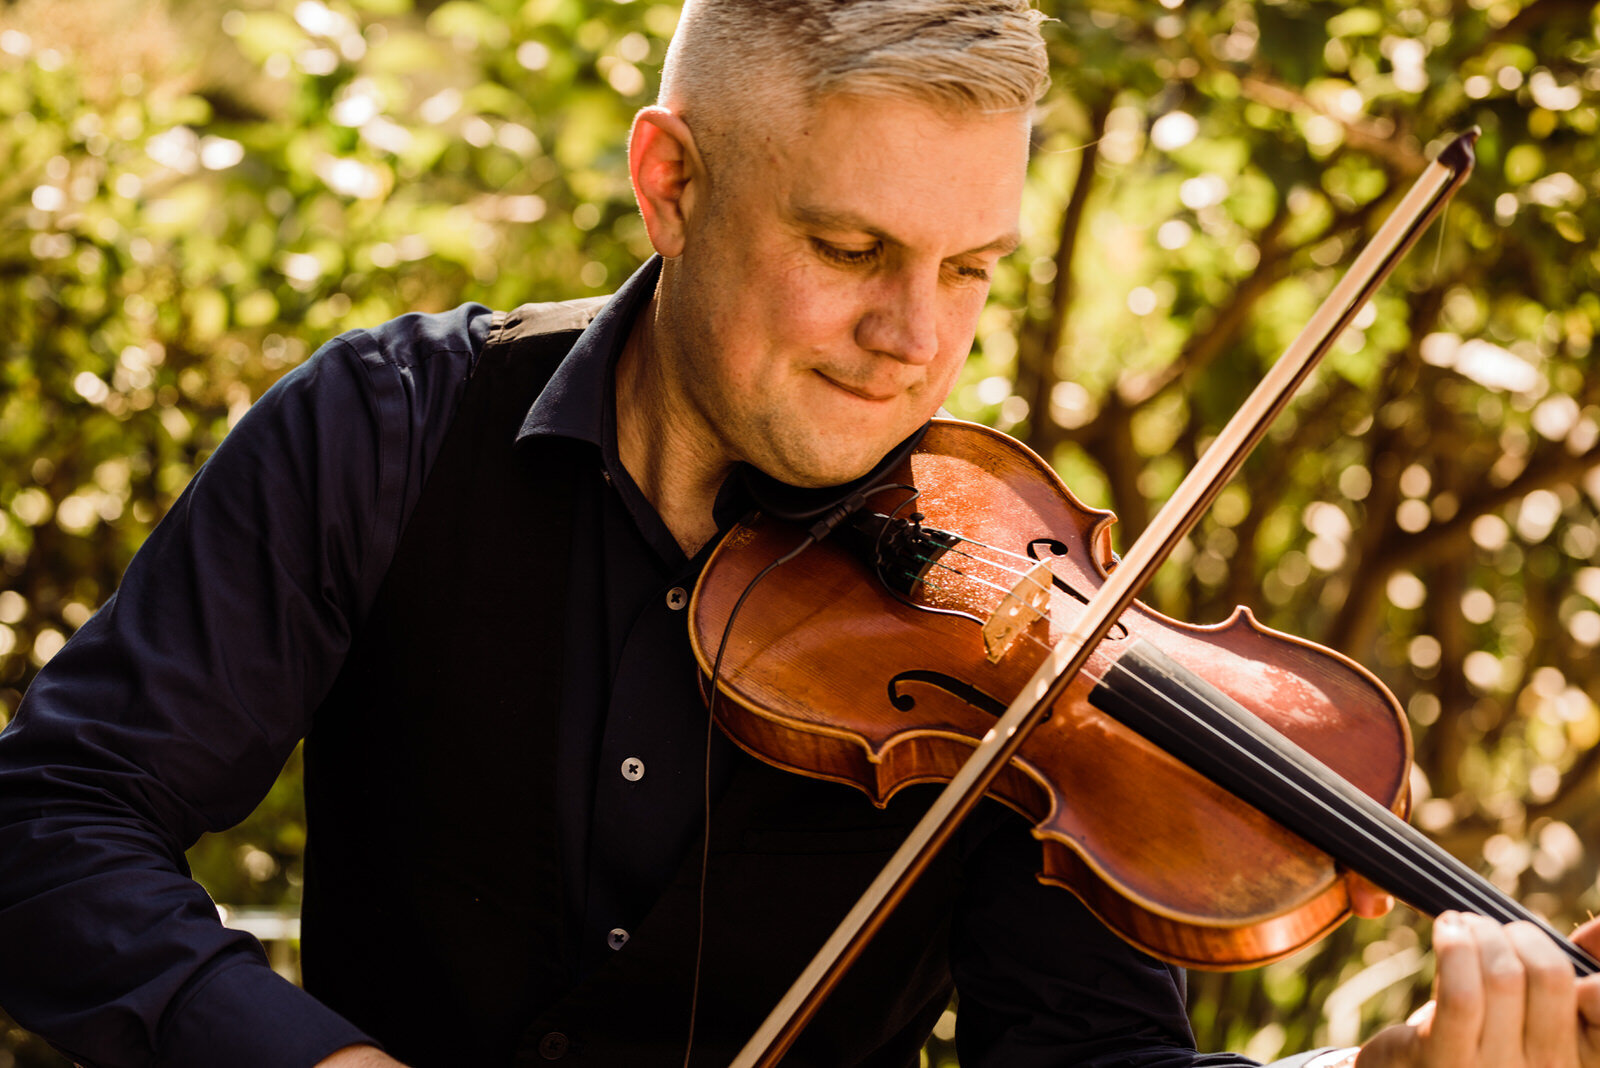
[(827, 297)]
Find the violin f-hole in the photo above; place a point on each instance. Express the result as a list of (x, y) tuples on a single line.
[(951, 685)]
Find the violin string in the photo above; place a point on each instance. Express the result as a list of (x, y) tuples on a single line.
[(1020, 574), (922, 580), (1241, 752), (971, 577), (1469, 889), (991, 563), (1440, 876), (1002, 550), (1024, 576), (1037, 613), (911, 498)]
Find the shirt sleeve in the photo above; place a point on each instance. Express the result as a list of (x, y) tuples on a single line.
[(1041, 982), (171, 711)]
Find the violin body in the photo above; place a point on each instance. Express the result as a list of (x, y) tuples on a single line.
[(831, 674)]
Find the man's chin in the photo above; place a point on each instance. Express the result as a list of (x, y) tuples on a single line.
[(824, 481), (834, 469)]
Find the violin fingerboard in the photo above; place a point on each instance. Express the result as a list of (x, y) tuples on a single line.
[(1177, 710)]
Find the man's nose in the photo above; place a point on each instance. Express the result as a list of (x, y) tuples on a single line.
[(901, 317)]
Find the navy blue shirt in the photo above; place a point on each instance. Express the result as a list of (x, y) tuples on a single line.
[(633, 735), (171, 711)]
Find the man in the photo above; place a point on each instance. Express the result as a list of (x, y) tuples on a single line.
[(453, 551)]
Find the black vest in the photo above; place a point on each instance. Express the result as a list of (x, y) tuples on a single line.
[(434, 903)]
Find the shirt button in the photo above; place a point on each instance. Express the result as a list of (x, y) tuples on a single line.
[(554, 1046), (617, 938), (633, 769), (677, 599)]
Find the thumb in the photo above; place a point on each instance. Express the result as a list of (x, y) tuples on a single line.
[(1394, 1047)]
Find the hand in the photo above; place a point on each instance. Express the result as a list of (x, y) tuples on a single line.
[(1504, 997), (359, 1057)]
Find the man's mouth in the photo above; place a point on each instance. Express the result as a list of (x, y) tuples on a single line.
[(858, 391)]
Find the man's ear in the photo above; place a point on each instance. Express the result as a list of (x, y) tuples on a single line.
[(668, 176)]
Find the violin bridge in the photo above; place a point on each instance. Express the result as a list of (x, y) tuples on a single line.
[(1027, 602)]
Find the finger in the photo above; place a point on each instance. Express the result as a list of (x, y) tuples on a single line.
[(1588, 995), (1551, 1002), (1458, 992), (1397, 1045), (1367, 900), (1588, 936), (1504, 992)]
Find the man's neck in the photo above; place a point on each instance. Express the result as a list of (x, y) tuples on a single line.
[(660, 441)]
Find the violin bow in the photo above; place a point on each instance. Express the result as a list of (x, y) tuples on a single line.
[(1399, 232)]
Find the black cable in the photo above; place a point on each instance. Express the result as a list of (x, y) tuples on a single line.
[(711, 719)]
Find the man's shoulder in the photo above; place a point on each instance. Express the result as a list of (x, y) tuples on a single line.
[(417, 338), (541, 318)]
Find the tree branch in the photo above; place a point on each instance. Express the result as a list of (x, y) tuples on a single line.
[(1040, 338), (1552, 466)]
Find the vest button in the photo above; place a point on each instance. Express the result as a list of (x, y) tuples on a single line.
[(554, 1046), (677, 599), (617, 938), (633, 769)]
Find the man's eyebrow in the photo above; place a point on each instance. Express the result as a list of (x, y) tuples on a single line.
[(832, 219), (1005, 244)]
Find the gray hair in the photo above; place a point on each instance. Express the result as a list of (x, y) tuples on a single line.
[(737, 65)]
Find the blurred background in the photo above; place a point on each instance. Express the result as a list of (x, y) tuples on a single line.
[(195, 194)]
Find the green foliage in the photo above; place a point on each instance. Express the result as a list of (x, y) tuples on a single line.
[(192, 205), (178, 239)]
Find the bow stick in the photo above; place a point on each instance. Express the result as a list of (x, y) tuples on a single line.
[(1400, 231)]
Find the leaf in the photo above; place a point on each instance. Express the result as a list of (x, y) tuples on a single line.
[(263, 34), (468, 21), (1356, 22)]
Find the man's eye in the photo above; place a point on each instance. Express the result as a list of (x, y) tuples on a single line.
[(848, 257)]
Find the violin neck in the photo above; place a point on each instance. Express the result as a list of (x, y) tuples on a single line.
[(1172, 707)]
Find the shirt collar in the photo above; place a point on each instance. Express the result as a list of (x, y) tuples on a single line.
[(576, 403)]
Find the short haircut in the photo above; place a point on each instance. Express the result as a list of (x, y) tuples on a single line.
[(736, 66)]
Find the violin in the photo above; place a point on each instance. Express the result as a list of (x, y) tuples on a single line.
[(1199, 788), (927, 634), (962, 619)]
